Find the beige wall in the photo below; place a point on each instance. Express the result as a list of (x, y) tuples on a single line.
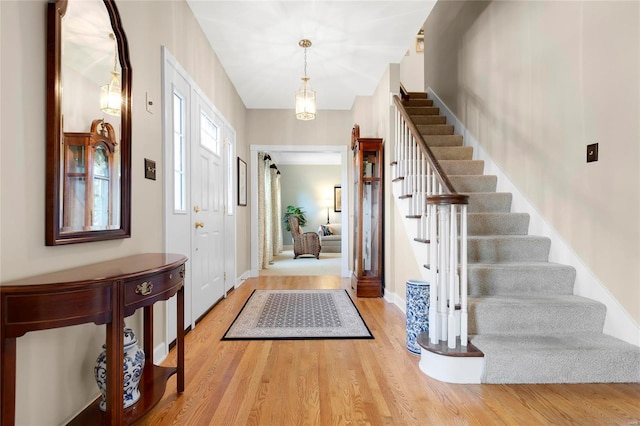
[(535, 82), (55, 360), (378, 115), (280, 127), (412, 70)]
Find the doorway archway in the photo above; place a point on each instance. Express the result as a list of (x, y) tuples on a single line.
[(311, 150)]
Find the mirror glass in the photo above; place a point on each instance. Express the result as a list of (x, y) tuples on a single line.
[(88, 123)]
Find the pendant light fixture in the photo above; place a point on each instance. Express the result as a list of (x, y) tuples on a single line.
[(111, 94), (305, 95)]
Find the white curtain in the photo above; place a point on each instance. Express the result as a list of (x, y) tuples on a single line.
[(279, 207), (276, 208), (269, 211), (261, 210), (268, 220)]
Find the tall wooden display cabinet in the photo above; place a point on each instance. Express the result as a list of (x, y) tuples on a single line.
[(367, 279)]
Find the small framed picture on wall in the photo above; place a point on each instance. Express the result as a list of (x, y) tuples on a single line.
[(337, 198), (420, 42)]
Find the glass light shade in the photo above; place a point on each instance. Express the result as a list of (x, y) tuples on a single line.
[(305, 101), (111, 95)]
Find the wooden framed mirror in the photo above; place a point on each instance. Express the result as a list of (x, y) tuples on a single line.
[(88, 160)]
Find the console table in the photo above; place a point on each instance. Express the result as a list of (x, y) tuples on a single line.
[(102, 293)]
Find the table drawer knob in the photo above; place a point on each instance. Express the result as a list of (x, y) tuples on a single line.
[(144, 288)]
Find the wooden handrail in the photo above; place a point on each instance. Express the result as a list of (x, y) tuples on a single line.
[(435, 165), (445, 199), (404, 93)]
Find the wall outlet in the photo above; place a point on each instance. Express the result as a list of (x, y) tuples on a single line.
[(592, 152)]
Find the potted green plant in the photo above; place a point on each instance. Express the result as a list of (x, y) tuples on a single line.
[(297, 212)]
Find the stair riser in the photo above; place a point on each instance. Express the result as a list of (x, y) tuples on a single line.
[(418, 103), (470, 183), (462, 167), (436, 129), (443, 140), (509, 249), (535, 319), (571, 366), (418, 95), (427, 110), (486, 202), (567, 358), (524, 282), (429, 119), (497, 224), (453, 153)]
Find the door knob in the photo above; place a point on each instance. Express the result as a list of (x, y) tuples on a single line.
[(196, 209), (199, 225)]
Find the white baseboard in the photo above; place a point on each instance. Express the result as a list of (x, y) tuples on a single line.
[(618, 322), (242, 278), (395, 299), (160, 352)]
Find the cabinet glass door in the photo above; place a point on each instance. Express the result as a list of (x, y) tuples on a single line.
[(370, 237)]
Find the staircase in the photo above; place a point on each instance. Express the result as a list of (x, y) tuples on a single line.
[(523, 315)]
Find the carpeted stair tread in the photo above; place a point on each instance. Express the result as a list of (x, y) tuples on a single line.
[(443, 140), (436, 129), (488, 201), (471, 183), (462, 167), (452, 152), (507, 248), (497, 223), (429, 119), (558, 358), (531, 315), (526, 279)]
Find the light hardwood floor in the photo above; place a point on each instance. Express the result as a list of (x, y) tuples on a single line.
[(356, 382)]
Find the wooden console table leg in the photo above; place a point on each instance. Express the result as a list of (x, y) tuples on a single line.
[(180, 339), (8, 381), (147, 346), (115, 360)]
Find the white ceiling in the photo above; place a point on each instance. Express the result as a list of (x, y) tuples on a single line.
[(86, 45), (353, 43)]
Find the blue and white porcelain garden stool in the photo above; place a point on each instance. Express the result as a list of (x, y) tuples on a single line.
[(417, 313)]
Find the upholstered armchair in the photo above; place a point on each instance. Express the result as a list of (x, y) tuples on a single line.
[(303, 242)]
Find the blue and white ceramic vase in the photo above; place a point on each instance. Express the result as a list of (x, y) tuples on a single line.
[(133, 364), (417, 313)]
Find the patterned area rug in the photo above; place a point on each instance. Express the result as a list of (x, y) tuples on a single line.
[(298, 314)]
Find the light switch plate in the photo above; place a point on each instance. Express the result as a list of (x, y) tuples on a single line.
[(592, 152), (149, 169)]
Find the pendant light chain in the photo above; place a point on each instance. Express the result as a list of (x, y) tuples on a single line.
[(305, 61), (115, 51)]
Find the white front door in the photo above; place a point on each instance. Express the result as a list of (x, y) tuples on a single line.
[(207, 198), (196, 187)]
